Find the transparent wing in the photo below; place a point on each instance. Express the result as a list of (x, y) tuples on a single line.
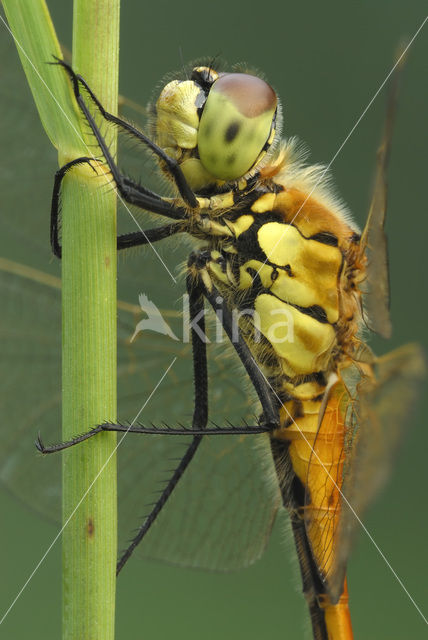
[(373, 239), (380, 415), (30, 331), (222, 513), (30, 366), (375, 407)]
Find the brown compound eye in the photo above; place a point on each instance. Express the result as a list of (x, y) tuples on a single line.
[(236, 124), (250, 95)]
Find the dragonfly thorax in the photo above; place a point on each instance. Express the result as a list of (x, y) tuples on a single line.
[(219, 126), (293, 280)]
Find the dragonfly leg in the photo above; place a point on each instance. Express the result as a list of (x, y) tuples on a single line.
[(198, 267), (152, 430), (55, 204), (148, 236), (200, 417), (197, 293), (124, 241), (293, 497), (128, 189)]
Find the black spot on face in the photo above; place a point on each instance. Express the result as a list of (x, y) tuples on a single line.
[(231, 159), (231, 132)]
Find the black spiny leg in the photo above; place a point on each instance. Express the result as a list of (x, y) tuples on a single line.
[(55, 205), (197, 291), (125, 241), (200, 416), (153, 430), (197, 263), (130, 191), (148, 236), (270, 410)]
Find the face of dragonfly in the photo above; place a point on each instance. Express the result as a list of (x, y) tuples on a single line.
[(218, 126)]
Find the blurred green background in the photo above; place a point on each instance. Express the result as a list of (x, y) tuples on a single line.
[(326, 61)]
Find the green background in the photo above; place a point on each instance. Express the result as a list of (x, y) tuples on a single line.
[(326, 61)]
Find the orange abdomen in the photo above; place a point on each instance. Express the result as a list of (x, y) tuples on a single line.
[(337, 616), (317, 454)]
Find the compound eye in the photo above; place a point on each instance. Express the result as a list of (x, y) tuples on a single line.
[(236, 125)]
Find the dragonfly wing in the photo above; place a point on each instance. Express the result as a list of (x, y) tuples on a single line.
[(222, 511), (373, 240), (380, 415), (376, 409), (323, 481), (30, 366), (220, 515)]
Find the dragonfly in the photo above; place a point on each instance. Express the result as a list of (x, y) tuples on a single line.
[(328, 430)]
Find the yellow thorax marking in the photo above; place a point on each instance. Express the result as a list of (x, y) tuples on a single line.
[(264, 203), (243, 223), (301, 341), (313, 268)]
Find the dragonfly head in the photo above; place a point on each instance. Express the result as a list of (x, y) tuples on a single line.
[(219, 126)]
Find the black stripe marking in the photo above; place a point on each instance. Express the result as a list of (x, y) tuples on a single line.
[(326, 237), (315, 311)]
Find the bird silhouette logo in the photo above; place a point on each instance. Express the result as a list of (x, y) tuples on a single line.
[(154, 321)]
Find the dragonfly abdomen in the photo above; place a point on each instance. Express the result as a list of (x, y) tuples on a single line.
[(308, 451)]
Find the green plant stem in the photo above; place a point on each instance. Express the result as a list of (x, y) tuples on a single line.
[(89, 302), (89, 352)]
